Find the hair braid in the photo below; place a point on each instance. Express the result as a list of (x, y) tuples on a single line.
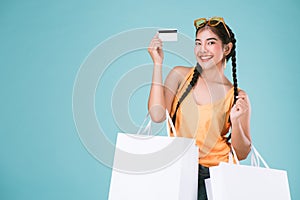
[(233, 62), (232, 55), (196, 74)]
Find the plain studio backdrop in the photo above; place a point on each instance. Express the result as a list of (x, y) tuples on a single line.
[(43, 45)]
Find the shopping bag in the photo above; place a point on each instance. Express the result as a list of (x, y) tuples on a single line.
[(230, 181), (151, 167)]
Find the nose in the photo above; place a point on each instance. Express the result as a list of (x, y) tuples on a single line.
[(203, 48)]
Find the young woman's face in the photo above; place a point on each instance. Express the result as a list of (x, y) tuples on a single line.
[(209, 49)]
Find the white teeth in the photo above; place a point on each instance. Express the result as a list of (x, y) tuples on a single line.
[(205, 57)]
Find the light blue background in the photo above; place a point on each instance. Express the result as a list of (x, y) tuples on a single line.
[(43, 43)]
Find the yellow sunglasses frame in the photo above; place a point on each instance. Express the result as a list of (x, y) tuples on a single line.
[(198, 23)]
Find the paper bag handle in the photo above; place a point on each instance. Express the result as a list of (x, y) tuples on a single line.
[(255, 157), (168, 122), (147, 128), (168, 119)]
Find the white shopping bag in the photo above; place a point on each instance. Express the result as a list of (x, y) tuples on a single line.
[(154, 167), (235, 182)]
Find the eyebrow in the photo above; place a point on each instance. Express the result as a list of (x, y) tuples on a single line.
[(207, 39)]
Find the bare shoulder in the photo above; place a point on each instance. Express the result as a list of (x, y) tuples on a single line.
[(182, 69), (179, 73), (175, 77)]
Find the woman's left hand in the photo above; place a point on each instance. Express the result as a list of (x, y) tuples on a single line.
[(241, 107)]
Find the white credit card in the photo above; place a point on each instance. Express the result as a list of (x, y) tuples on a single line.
[(167, 34)]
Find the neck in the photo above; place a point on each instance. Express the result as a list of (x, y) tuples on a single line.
[(215, 74)]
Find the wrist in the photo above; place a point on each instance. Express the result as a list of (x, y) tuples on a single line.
[(234, 120), (158, 64)]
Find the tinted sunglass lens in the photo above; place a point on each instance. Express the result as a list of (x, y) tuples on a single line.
[(200, 23), (214, 22)]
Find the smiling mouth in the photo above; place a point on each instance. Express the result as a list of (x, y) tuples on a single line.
[(205, 58)]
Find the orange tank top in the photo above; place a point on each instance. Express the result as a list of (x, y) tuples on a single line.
[(208, 124)]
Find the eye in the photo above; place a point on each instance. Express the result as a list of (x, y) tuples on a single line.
[(211, 42), (197, 43)]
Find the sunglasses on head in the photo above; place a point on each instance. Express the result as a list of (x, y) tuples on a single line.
[(213, 21)]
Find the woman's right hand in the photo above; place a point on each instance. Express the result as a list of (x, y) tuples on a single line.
[(155, 50)]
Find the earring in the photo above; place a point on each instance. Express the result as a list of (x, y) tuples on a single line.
[(224, 63)]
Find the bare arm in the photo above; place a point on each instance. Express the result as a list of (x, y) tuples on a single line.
[(161, 95), (156, 101), (240, 124)]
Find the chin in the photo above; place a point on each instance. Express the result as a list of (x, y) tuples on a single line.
[(207, 65)]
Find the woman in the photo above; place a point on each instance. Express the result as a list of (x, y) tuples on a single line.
[(203, 103)]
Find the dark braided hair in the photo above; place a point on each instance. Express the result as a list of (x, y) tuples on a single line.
[(197, 73), (221, 32), (232, 55)]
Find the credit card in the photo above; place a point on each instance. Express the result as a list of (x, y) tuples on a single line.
[(167, 34)]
